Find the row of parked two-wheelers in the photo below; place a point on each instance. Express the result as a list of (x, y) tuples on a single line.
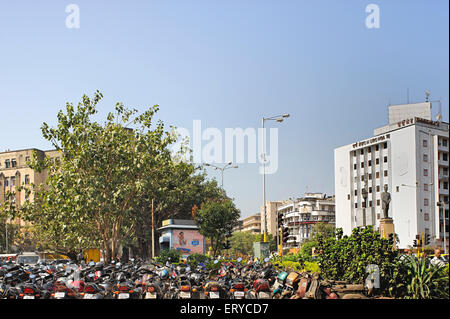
[(141, 280)]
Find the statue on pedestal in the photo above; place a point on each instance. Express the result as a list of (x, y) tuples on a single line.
[(386, 199)]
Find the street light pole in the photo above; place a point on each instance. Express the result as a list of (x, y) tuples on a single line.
[(278, 118), (222, 169)]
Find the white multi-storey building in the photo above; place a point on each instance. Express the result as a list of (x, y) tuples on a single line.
[(410, 155), (302, 214)]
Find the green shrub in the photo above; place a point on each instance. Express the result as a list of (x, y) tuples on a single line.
[(171, 255), (195, 259), (311, 267), (346, 257)]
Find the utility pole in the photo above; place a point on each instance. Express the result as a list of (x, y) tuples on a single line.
[(153, 230)]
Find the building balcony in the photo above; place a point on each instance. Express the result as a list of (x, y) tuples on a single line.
[(443, 163), (322, 213), (292, 214)]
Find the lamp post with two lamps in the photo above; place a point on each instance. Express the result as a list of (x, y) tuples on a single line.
[(222, 169)]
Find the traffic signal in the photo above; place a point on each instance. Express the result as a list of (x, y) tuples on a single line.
[(285, 234), (427, 239), (280, 220), (415, 243)]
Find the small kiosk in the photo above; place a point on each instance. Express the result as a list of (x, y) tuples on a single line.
[(182, 235)]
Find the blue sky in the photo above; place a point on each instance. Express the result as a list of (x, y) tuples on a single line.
[(227, 63)]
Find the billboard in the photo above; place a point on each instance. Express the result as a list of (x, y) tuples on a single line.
[(187, 241)]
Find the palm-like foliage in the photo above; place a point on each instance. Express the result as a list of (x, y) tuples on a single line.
[(427, 281)]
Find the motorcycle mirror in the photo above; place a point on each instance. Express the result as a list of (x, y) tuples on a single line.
[(91, 263), (91, 275), (216, 261), (188, 268), (266, 259), (239, 259), (118, 265)]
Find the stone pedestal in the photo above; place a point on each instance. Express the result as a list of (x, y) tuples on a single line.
[(386, 228)]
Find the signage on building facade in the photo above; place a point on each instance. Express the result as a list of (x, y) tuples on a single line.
[(372, 140)]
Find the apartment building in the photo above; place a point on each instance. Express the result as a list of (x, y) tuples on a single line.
[(300, 216), (15, 172), (250, 224)]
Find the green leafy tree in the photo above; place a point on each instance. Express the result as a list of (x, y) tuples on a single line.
[(242, 243), (216, 220), (92, 191)]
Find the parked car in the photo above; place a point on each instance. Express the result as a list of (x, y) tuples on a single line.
[(27, 258)]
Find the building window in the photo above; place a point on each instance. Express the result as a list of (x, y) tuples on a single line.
[(354, 166), (425, 202), (377, 147), (13, 181), (425, 143), (27, 179), (385, 173), (378, 202), (377, 161), (425, 172), (425, 157), (377, 175), (425, 187), (7, 164), (13, 162), (370, 162), (370, 203), (445, 185), (370, 190), (426, 216), (370, 176), (362, 178), (27, 159), (385, 144), (445, 157), (354, 153), (369, 150), (356, 192), (356, 205), (362, 151), (385, 159), (378, 188), (444, 142), (6, 182)]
